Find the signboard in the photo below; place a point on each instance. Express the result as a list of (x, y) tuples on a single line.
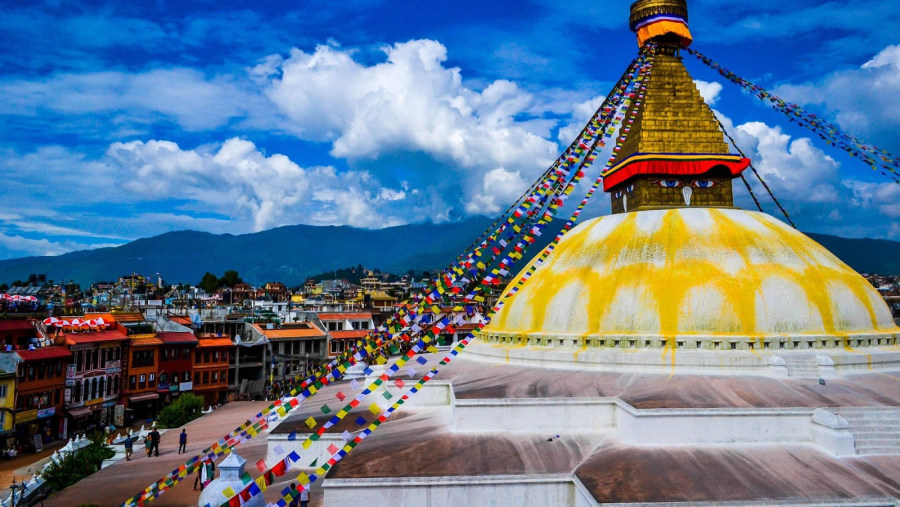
[(185, 386), (163, 386), (26, 416), (46, 412), (38, 444), (113, 366), (119, 415), (70, 373), (95, 401), (173, 388), (109, 404)]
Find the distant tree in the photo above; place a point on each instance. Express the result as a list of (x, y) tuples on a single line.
[(209, 283), (17, 283), (230, 279), (4, 287), (183, 410)]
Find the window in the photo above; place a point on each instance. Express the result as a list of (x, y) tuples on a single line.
[(215, 376), (142, 358), (77, 392), (56, 396), (174, 378), (206, 377), (116, 385), (3, 391), (132, 382), (187, 353), (197, 378), (41, 370), (101, 392), (216, 356), (59, 367), (30, 372), (94, 385), (186, 377), (108, 385), (206, 357), (151, 380)]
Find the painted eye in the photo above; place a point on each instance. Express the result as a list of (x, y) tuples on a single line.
[(704, 183), (619, 194), (630, 189), (669, 183)]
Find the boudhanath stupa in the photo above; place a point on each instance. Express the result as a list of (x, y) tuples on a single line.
[(678, 350)]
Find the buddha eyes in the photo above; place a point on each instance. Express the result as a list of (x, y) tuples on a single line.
[(678, 183), (669, 183), (619, 194), (630, 189)]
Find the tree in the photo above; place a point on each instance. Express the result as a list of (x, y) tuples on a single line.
[(230, 279), (183, 410), (74, 467), (209, 283)]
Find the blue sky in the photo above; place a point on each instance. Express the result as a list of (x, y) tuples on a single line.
[(127, 120)]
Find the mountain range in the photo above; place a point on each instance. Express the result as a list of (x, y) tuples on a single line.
[(289, 254)]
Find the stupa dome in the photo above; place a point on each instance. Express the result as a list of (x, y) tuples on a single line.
[(696, 278)]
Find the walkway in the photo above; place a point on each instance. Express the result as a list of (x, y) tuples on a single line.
[(112, 485)]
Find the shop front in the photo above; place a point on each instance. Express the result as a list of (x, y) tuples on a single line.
[(35, 428)]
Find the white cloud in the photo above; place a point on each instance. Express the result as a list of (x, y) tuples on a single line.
[(709, 90), (410, 101), (20, 246), (863, 100), (238, 181), (500, 189)]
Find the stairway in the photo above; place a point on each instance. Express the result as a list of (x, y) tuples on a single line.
[(801, 366), (876, 430)]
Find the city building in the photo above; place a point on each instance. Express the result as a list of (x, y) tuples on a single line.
[(344, 328), (210, 368), (93, 380), (7, 403), (176, 364), (294, 347), (39, 393)]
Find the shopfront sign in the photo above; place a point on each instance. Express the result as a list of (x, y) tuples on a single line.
[(185, 386), (26, 416), (109, 404), (95, 401), (46, 412), (163, 386), (173, 388), (119, 415), (113, 366)]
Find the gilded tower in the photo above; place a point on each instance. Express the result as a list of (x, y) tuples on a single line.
[(675, 154)]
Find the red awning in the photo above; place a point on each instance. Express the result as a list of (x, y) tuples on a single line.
[(79, 412), (143, 397), (675, 164)]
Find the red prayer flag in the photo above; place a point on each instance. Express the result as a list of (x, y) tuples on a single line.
[(340, 395), (261, 465), (279, 469), (332, 449)]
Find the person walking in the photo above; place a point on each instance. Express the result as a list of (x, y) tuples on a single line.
[(295, 496), (129, 446), (182, 442), (154, 442), (304, 497), (148, 445)]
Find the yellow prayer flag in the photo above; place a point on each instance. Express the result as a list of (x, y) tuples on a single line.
[(311, 422), (281, 411), (306, 444), (375, 409), (320, 471), (303, 478), (228, 492), (261, 482), (380, 360)]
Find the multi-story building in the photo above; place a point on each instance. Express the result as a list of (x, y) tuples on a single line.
[(210, 368), (16, 333), (344, 328), (294, 347), (39, 393), (7, 402), (94, 379), (175, 374), (141, 364)]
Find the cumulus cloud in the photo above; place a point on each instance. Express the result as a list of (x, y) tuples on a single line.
[(410, 101), (863, 100), (709, 90), (237, 180)]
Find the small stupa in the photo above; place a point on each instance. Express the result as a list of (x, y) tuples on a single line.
[(230, 471)]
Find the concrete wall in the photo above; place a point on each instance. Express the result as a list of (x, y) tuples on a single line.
[(543, 415), (500, 491)]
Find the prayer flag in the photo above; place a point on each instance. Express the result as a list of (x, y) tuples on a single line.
[(261, 465), (311, 422)]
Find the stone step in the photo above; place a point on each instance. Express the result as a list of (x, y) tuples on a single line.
[(874, 432), (878, 450), (866, 410), (881, 418)]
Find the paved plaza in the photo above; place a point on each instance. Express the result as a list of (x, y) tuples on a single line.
[(114, 484)]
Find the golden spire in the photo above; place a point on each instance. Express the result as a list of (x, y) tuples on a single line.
[(674, 154)]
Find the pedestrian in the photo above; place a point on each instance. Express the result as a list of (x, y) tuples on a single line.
[(154, 442), (209, 471), (182, 442), (295, 496), (304, 497), (199, 478), (148, 445), (129, 446)]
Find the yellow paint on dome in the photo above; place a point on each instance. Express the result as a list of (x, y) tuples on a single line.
[(664, 274)]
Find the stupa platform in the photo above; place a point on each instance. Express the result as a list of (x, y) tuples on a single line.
[(510, 434)]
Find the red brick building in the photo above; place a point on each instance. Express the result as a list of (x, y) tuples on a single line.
[(41, 381), (176, 364), (211, 368)]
